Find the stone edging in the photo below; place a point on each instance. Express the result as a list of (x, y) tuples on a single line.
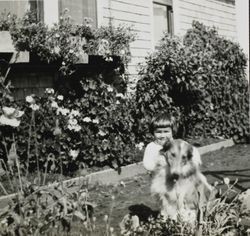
[(111, 176)]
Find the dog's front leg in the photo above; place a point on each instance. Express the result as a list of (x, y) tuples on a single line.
[(169, 208)]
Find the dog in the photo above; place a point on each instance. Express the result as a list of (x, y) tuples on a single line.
[(179, 183)]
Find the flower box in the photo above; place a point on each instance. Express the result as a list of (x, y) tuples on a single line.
[(6, 44)]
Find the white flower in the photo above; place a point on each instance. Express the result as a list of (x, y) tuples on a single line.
[(49, 90), (105, 218), (87, 119), (71, 51), (119, 95), (72, 125), (108, 59), (34, 107), (63, 111), (7, 121), (74, 113), (140, 145), (10, 116), (101, 133), (60, 97), (12, 112), (122, 52), (77, 128), (110, 89), (104, 42), (30, 99), (8, 111), (74, 153), (211, 106), (96, 121), (54, 104), (72, 122), (117, 103), (226, 181), (63, 63), (56, 50)]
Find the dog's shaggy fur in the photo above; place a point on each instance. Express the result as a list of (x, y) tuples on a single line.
[(179, 184)]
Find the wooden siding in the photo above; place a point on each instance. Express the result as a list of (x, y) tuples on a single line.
[(139, 13), (135, 13), (216, 13)]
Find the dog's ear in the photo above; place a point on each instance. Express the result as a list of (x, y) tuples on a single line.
[(166, 146), (196, 156)]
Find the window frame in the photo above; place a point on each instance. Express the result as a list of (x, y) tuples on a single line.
[(170, 17), (95, 21)]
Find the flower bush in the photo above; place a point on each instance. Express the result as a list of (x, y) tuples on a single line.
[(6, 19), (202, 75), (62, 135), (66, 43), (110, 40)]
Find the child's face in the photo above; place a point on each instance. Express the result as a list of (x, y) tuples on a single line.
[(163, 134)]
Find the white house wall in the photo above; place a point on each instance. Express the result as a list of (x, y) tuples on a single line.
[(139, 14), (210, 12), (135, 13)]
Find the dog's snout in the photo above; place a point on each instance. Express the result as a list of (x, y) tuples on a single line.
[(175, 176)]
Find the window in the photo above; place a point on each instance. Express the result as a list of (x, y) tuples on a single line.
[(163, 19), (78, 9), (14, 7), (20, 7)]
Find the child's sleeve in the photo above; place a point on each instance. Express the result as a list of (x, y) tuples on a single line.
[(150, 157)]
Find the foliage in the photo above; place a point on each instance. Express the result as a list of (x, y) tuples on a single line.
[(56, 210), (6, 19), (221, 216), (203, 76), (116, 39), (59, 135), (65, 42), (152, 91)]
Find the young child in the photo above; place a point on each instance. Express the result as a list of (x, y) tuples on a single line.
[(162, 129)]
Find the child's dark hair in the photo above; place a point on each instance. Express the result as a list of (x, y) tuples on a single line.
[(162, 120)]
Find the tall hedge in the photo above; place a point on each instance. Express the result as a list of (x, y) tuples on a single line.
[(202, 75)]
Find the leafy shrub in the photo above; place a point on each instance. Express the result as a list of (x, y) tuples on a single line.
[(202, 75), (53, 211), (64, 135)]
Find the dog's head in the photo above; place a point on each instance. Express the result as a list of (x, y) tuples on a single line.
[(182, 158)]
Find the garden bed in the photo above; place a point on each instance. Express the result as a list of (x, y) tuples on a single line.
[(133, 194), (106, 175)]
